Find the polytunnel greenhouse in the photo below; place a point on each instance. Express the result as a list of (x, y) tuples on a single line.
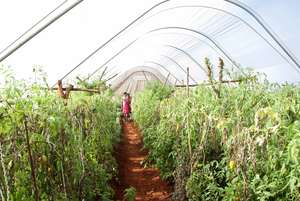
[(150, 100)]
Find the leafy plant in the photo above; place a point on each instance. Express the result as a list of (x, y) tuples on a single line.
[(241, 143), (130, 194), (49, 151)]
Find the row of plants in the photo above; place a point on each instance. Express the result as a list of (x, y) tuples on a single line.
[(50, 150), (224, 141)]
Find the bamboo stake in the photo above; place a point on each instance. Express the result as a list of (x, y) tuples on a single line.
[(188, 115)]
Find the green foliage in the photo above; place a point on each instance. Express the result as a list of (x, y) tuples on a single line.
[(97, 84), (147, 116), (71, 146), (130, 194), (244, 145)]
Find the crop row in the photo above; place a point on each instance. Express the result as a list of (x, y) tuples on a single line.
[(53, 151), (240, 144)]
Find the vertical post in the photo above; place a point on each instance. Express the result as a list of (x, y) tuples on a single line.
[(188, 116), (188, 81)]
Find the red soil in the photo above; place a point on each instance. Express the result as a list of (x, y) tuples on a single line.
[(146, 181)]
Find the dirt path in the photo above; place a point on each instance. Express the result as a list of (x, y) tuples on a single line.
[(146, 181)]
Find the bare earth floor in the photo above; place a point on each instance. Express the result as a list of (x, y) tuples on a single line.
[(146, 181)]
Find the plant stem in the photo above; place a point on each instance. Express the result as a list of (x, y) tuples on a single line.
[(63, 178), (4, 174), (211, 77), (33, 176), (221, 71), (188, 81), (2, 196), (63, 140)]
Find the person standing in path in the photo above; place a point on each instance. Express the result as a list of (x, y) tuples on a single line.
[(126, 106), (129, 102)]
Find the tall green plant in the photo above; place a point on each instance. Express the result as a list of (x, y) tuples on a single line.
[(49, 151), (244, 142)]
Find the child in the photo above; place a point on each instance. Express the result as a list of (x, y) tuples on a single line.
[(129, 100), (126, 106)]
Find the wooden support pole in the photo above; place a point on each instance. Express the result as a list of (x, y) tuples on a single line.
[(188, 116), (223, 82), (78, 89), (188, 81), (63, 93)]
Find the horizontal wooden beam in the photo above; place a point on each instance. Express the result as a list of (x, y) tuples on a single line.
[(223, 82), (78, 89)]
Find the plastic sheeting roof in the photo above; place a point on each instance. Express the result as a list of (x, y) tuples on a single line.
[(177, 34), (135, 79)]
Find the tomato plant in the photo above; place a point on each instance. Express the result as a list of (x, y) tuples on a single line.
[(53, 151), (241, 143)]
